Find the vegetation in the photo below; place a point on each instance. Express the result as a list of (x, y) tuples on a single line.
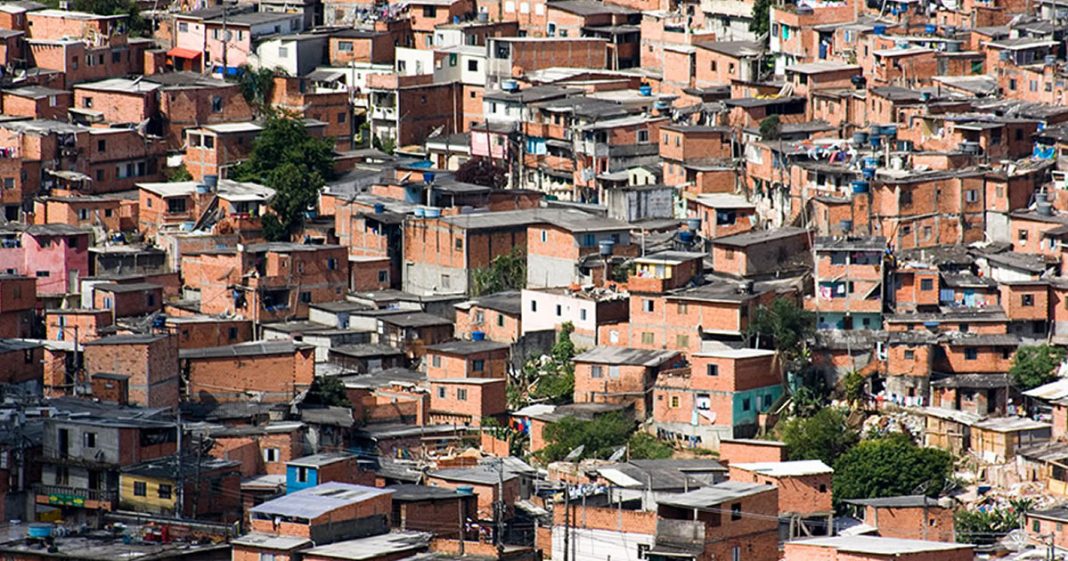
[(761, 21), (824, 436), (987, 526), (256, 86), (328, 391), (644, 446), (516, 440), (180, 173), (1035, 365), (135, 24), (770, 127), (555, 377), (482, 171), (786, 327), (285, 158), (599, 437), (387, 144), (853, 387), (505, 272), (889, 466)]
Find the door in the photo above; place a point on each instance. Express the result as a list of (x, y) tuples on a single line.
[(63, 442)]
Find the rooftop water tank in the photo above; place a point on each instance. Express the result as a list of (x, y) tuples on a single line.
[(605, 247)]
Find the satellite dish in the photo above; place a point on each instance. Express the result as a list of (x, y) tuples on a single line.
[(575, 454), (1016, 540), (618, 454)]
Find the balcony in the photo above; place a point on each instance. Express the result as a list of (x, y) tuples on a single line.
[(79, 497)]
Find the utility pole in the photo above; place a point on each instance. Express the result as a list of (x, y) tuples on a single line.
[(226, 42), (196, 480), (567, 520), (500, 506), (180, 491), (460, 528)]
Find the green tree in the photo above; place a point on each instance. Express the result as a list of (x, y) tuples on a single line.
[(986, 527), (482, 171), (505, 272), (644, 446), (770, 128), (600, 436), (889, 466), (296, 165), (1035, 365), (824, 436), (256, 85), (180, 173), (760, 24), (786, 327), (327, 391), (136, 25), (387, 144)]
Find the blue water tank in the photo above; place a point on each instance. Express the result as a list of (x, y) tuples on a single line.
[(860, 138), (645, 90), (686, 236), (380, 208), (465, 490), (432, 212), (420, 212), (880, 29), (428, 177), (860, 186), (478, 336), (869, 173), (875, 142), (211, 180), (930, 29), (604, 247), (40, 530), (694, 224)]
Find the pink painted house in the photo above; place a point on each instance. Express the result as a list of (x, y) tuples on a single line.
[(56, 254)]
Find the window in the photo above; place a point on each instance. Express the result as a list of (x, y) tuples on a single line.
[(643, 550), (559, 310), (971, 195), (712, 370), (643, 137), (175, 206), (461, 394), (101, 145), (446, 281), (345, 46), (823, 488), (216, 104), (266, 556), (436, 361), (596, 372), (478, 365), (533, 305), (472, 65), (283, 52), (544, 236), (140, 489), (906, 198), (83, 213), (926, 284), (231, 333), (430, 11), (383, 276), (839, 258), (305, 297), (1022, 236), (909, 355), (736, 511), (441, 392), (341, 116), (183, 27), (89, 439), (971, 353), (747, 404), (674, 402), (682, 341), (500, 319), (459, 244), (164, 491), (613, 372), (647, 305), (302, 474), (1027, 300), (647, 338), (682, 308), (43, 274), (271, 455)]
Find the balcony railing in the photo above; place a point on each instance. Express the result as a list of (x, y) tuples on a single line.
[(64, 495)]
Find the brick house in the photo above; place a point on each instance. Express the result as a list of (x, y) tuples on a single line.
[(199, 331), (259, 450), (848, 282), (23, 365), (720, 520), (226, 206), (909, 516), (425, 104), (721, 395), (81, 459), (759, 252), (431, 509), (567, 249), (467, 401), (151, 362), (588, 311), (152, 488), (308, 471), (467, 359), (126, 300), (804, 493), (37, 102), (18, 300), (487, 484), (56, 254), (498, 317), (213, 149), (622, 375), (190, 100), (413, 332), (288, 278), (116, 101), (325, 513), (87, 324), (275, 371)]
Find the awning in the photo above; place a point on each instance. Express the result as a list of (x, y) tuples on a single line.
[(179, 52)]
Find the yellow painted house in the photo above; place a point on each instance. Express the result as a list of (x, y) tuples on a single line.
[(152, 487)]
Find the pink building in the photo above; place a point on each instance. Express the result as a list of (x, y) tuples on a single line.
[(56, 254)]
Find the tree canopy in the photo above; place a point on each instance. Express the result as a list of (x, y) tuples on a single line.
[(785, 326), (986, 527), (482, 171), (761, 22), (505, 272), (599, 437), (327, 391), (824, 436), (135, 24), (889, 466), (556, 379), (296, 165), (1034, 365)]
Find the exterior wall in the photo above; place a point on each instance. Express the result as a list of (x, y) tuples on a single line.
[(152, 368), (275, 378), (932, 523), (804, 495)]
